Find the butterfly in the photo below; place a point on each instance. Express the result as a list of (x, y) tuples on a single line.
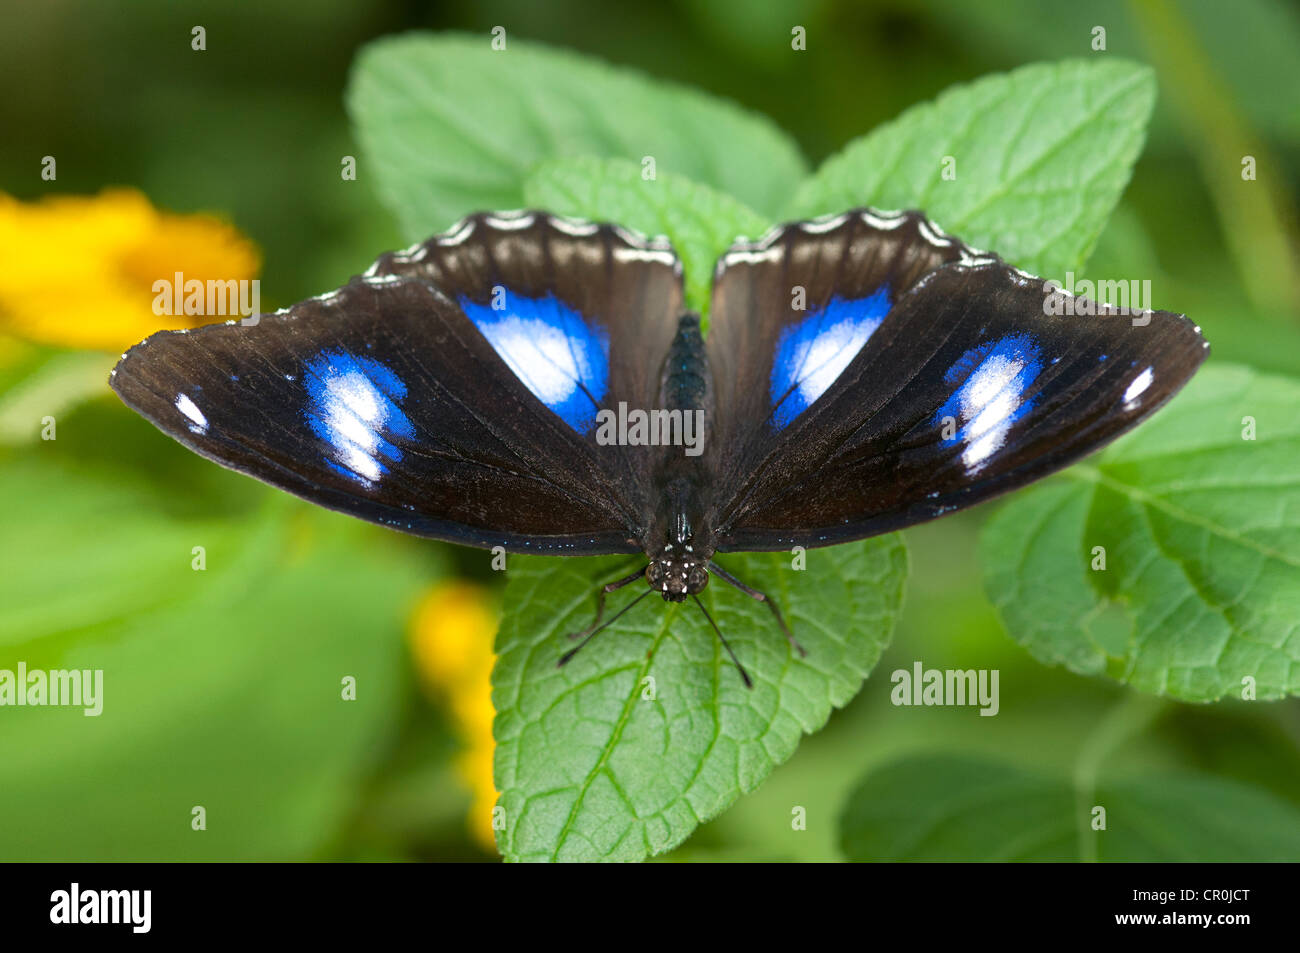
[(537, 383)]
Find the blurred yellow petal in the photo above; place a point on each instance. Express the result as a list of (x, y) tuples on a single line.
[(451, 639), (476, 767), (79, 270), (454, 626)]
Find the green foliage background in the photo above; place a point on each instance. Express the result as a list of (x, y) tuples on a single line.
[(225, 683)]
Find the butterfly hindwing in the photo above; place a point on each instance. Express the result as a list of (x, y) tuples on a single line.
[(921, 377), (789, 311), (449, 392), (554, 295)]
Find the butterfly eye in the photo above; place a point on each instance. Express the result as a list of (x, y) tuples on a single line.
[(654, 573), (696, 579)]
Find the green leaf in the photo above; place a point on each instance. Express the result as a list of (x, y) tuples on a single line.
[(649, 730), (1201, 535), (54, 386), (222, 687), (961, 808), (1256, 45), (702, 221), (1040, 157), (449, 126)]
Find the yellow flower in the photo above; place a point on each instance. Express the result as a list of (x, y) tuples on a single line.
[(451, 638), (79, 270)]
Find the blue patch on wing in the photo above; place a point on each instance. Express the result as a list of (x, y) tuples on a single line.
[(990, 382), (352, 404), (557, 355), (811, 354)]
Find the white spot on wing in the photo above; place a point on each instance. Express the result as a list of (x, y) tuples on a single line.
[(645, 254), (825, 357), (354, 411), (540, 355), (510, 221), (574, 227), (198, 423), (1139, 386)]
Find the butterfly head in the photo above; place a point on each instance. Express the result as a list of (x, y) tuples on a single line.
[(676, 573)]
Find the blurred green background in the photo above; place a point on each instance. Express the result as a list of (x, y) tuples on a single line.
[(223, 686)]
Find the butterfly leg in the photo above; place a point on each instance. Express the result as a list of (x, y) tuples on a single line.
[(744, 676), (596, 626), (593, 632), (761, 597), (601, 593)]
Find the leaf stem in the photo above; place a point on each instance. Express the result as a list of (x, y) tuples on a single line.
[(1253, 214), (1124, 721)]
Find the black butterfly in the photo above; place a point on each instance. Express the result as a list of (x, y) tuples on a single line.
[(861, 373)]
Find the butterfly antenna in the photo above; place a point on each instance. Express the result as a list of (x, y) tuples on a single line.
[(762, 597), (725, 644), (564, 659)]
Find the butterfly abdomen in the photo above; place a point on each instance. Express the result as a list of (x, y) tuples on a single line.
[(685, 383)]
